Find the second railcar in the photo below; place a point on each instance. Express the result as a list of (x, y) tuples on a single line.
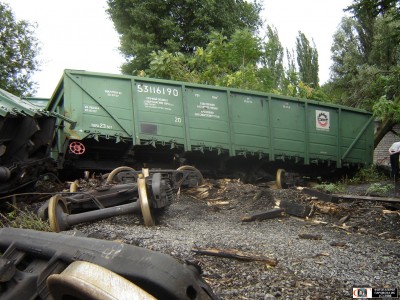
[(26, 132), (111, 120)]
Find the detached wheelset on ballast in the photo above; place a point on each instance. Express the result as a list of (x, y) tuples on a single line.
[(60, 217)]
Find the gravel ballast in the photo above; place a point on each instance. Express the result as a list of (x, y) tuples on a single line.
[(363, 252)]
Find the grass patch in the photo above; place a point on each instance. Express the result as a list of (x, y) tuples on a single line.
[(23, 218), (379, 189), (330, 188)]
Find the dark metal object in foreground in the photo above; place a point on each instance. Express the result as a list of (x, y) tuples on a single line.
[(30, 257)]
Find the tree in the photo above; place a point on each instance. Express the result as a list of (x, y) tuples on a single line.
[(366, 55), (244, 61), (347, 57), (368, 11), (222, 62), (18, 51), (272, 71), (175, 25), (307, 60)]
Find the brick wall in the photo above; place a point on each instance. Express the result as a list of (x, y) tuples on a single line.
[(381, 153)]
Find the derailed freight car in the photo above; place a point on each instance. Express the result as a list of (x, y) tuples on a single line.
[(26, 132), (113, 120)]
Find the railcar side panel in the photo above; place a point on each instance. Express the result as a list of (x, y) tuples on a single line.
[(100, 105), (356, 137), (207, 119), (249, 124), (288, 128), (159, 112)]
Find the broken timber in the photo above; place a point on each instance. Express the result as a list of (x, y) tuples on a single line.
[(307, 236), (335, 197), (320, 195), (231, 253), (291, 208), (295, 209), (368, 198), (269, 214)]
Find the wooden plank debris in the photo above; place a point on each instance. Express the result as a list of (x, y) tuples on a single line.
[(263, 215), (307, 236), (232, 253), (257, 195), (367, 198), (338, 244), (295, 209), (343, 220), (320, 195), (217, 203), (327, 208), (335, 197)]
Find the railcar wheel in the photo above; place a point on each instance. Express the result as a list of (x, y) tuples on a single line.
[(83, 280), (144, 203), (57, 207), (197, 173), (281, 179), (73, 186), (114, 172)]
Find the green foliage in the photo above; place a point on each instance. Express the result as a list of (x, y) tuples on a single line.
[(307, 60), (175, 25), (366, 55), (384, 108), (366, 61), (379, 189), (211, 42), (18, 51), (223, 62), (272, 71), (23, 218), (367, 175), (330, 188), (243, 61)]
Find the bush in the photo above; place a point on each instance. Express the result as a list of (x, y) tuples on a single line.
[(367, 175)]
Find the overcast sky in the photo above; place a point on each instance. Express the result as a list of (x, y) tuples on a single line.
[(78, 34)]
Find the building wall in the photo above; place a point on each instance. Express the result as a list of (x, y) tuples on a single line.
[(381, 153)]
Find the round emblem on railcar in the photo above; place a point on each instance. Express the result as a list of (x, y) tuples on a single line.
[(322, 119)]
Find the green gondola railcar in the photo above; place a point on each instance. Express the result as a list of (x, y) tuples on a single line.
[(111, 120)]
